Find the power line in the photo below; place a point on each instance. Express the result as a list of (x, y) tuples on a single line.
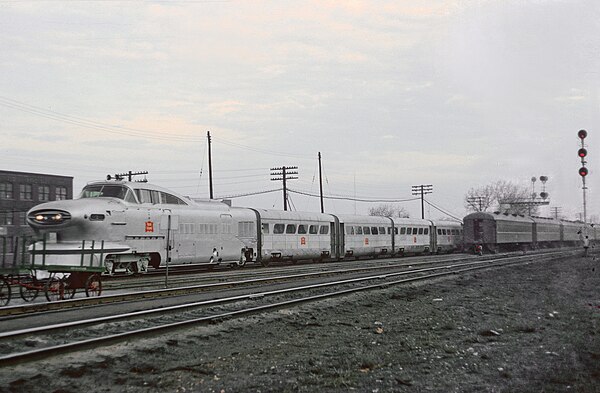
[(443, 211), (91, 124), (248, 194), (346, 198)]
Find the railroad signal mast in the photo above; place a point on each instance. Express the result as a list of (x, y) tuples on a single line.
[(583, 171)]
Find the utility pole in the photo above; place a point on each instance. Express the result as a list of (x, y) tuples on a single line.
[(284, 173), (476, 199), (422, 190), (129, 174), (210, 179), (321, 183), (555, 211)]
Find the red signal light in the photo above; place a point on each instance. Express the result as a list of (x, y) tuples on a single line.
[(583, 171), (582, 134), (582, 152)]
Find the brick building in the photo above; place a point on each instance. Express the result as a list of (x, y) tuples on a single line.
[(19, 192)]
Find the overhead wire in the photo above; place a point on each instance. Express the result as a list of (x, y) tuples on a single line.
[(442, 210), (348, 198)]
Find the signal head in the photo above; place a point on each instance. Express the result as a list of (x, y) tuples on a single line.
[(583, 171), (582, 152), (582, 134)]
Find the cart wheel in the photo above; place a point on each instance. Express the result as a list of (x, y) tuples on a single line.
[(29, 289), (69, 293), (55, 289), (4, 292), (93, 285)]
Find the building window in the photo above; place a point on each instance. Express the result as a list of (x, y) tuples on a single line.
[(25, 192), (6, 191), (22, 219), (44, 193), (6, 218), (61, 193)]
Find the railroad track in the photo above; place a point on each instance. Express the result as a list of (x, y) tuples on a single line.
[(97, 332), (213, 282)]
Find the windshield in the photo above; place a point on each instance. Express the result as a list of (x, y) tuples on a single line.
[(108, 191)]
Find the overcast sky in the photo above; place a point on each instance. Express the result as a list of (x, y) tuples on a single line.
[(456, 94)]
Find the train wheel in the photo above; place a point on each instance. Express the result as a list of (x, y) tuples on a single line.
[(93, 286), (4, 292), (241, 263), (29, 289), (54, 289)]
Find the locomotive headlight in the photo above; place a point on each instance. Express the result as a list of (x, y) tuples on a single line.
[(49, 217)]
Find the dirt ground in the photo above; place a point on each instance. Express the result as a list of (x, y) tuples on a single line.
[(534, 328)]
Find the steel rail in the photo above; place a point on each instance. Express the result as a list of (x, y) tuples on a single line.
[(23, 309), (104, 340)]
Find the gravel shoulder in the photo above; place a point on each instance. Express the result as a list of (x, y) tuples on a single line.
[(533, 328)]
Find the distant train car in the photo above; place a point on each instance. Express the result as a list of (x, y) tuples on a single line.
[(498, 232), (293, 236), (447, 236), (412, 236), (367, 236), (571, 233), (546, 232)]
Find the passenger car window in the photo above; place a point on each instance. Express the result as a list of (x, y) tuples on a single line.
[(324, 230), (382, 230), (420, 231), (366, 230), (359, 230), (374, 230), (265, 229), (301, 229), (426, 231), (290, 229), (278, 228), (403, 231), (313, 229)]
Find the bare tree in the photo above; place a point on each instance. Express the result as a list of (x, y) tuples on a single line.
[(388, 210), (500, 195)]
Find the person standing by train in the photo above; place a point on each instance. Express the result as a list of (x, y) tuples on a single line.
[(586, 245)]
